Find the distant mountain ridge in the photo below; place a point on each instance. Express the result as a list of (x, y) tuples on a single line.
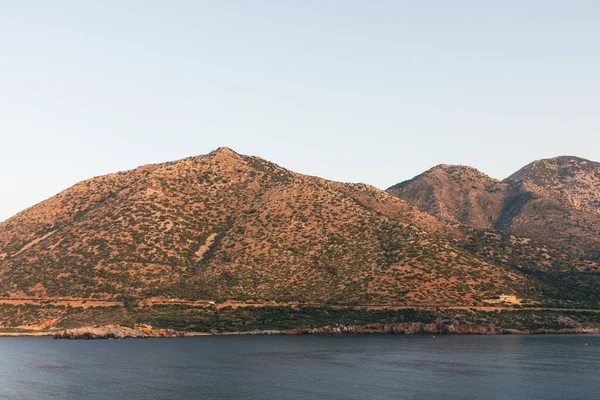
[(556, 201)]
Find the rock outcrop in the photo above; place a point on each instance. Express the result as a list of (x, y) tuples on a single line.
[(117, 332)]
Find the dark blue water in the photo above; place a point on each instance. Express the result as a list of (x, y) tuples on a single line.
[(303, 367)]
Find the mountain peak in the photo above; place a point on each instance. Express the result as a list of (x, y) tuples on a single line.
[(226, 156), (455, 193), (223, 150), (452, 166), (572, 161), (562, 159), (548, 171), (459, 171)]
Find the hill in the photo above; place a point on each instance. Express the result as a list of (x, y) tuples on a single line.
[(455, 193), (225, 226), (228, 242), (555, 201)]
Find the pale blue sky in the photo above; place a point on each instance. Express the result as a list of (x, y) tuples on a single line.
[(370, 91)]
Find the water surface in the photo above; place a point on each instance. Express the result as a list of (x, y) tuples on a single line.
[(303, 367)]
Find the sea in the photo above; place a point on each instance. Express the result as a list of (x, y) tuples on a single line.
[(303, 367)]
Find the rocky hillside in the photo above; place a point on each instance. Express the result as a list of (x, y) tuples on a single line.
[(555, 201), (576, 180), (455, 193), (225, 226)]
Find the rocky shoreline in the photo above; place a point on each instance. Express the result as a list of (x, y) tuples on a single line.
[(118, 332), (142, 332), (410, 328), (438, 328)]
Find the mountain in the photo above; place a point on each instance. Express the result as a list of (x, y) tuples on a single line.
[(226, 226), (555, 201), (455, 193), (225, 242)]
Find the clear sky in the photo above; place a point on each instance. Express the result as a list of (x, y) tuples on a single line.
[(366, 91)]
